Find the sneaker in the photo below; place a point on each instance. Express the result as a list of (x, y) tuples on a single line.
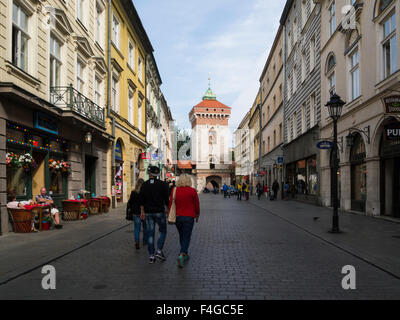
[(152, 259), (137, 246), (186, 257), (160, 255), (180, 261)]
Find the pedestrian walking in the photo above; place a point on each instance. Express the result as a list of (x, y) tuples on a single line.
[(266, 191), (247, 190), (225, 189), (275, 189), (133, 213), (187, 208), (239, 191), (286, 190), (154, 201), (259, 190)]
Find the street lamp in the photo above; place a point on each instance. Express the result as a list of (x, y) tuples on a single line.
[(335, 108)]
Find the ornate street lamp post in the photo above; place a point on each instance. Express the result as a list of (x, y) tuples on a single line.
[(335, 107)]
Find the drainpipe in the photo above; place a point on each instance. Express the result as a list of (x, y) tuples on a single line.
[(109, 107), (260, 133)]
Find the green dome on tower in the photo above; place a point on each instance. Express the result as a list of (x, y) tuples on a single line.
[(209, 95)]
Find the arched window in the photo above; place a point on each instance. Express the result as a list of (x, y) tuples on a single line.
[(330, 73), (212, 136)]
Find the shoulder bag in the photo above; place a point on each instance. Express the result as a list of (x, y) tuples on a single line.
[(172, 210)]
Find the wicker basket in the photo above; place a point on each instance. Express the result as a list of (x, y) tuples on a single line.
[(94, 206), (71, 210), (106, 205), (21, 220)]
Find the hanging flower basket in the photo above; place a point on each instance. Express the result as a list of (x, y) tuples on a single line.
[(59, 166), (27, 162), (12, 160)]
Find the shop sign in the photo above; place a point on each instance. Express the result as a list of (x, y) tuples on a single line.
[(118, 151), (263, 173), (325, 145), (45, 123), (146, 155), (392, 104), (392, 131)]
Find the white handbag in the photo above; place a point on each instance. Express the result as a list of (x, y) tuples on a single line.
[(172, 210)]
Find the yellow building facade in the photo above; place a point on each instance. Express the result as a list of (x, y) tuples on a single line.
[(127, 49)]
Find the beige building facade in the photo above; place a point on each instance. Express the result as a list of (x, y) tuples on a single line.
[(271, 81), (52, 98), (360, 63)]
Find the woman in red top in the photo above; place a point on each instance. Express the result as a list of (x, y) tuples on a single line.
[(187, 211)]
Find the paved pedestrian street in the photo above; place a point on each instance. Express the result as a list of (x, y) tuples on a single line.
[(239, 250)]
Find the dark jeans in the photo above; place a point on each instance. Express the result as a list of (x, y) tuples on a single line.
[(138, 224), (151, 220), (185, 228), (239, 195)]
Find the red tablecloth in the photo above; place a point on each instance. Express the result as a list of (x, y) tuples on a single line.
[(31, 207), (82, 200)]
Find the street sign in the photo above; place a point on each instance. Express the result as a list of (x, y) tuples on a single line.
[(281, 160), (325, 145)]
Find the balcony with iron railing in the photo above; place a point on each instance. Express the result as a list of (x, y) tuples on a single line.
[(70, 99)]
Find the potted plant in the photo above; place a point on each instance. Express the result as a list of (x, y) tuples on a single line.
[(12, 160), (47, 222), (27, 162)]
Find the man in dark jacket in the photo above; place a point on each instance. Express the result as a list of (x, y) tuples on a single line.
[(154, 201)]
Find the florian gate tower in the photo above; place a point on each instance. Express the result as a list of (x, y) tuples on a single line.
[(211, 142)]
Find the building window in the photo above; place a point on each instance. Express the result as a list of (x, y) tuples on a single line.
[(114, 94), (312, 110), (140, 68), (130, 107), (295, 133), (330, 71), (140, 124), (303, 66), (303, 118), (99, 27), (131, 55), (355, 74), (80, 9), (280, 133), (274, 145), (389, 45), (55, 62), (97, 91), (80, 83), (332, 18), (115, 31), (312, 54), (294, 79), (20, 38)]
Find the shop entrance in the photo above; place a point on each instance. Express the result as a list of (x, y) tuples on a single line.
[(358, 174), (38, 177), (390, 177), (119, 172), (90, 174)]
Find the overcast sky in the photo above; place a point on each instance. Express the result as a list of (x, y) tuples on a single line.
[(230, 39)]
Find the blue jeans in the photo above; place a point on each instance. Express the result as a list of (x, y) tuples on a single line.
[(151, 220), (185, 228), (138, 224)]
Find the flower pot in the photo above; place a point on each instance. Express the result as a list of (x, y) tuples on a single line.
[(45, 225)]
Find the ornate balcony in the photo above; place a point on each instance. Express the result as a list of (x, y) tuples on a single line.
[(68, 98)]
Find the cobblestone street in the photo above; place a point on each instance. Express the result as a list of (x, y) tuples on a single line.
[(239, 250)]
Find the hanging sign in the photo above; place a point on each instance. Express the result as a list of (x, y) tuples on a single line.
[(46, 123), (146, 155), (325, 145), (392, 104), (118, 151)]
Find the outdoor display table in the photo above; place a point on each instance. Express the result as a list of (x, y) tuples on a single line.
[(94, 206), (105, 205), (21, 220), (72, 209), (39, 209)]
